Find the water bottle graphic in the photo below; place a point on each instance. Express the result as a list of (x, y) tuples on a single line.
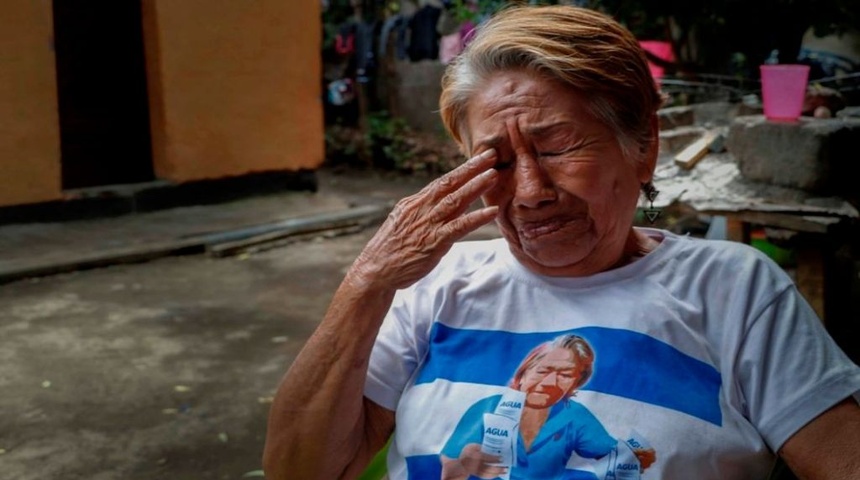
[(622, 462), (511, 405), (501, 429), (500, 439)]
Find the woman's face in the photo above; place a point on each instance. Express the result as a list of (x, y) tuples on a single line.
[(566, 194), (550, 379)]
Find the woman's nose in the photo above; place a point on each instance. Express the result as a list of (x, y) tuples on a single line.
[(532, 186)]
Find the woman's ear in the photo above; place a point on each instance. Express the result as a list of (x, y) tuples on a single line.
[(648, 161)]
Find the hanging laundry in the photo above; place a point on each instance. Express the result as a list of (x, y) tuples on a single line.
[(397, 27), (344, 41), (449, 47), (365, 58), (424, 38)]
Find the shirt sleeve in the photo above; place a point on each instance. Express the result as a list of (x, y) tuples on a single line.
[(588, 438), (396, 353), (790, 370)]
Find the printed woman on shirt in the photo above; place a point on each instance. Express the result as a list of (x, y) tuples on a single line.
[(548, 427)]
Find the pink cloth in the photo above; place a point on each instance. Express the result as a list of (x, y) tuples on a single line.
[(466, 30), (660, 49), (449, 47)]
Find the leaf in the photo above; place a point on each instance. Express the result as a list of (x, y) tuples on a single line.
[(377, 468), (254, 473)]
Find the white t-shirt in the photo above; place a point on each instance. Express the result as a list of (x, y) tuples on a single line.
[(704, 351)]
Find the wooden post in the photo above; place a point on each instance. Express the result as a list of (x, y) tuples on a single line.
[(810, 277), (737, 230)]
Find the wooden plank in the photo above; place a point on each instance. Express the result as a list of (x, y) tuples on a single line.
[(241, 240), (798, 223), (300, 224), (737, 230), (249, 248), (810, 278), (232, 239), (695, 151)]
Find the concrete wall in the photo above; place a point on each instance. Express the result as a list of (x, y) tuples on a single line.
[(29, 122), (416, 94), (234, 86)]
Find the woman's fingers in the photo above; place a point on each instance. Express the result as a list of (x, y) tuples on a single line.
[(465, 224), (456, 178), (455, 203), (421, 228)]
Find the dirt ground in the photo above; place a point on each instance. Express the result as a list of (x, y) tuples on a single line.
[(166, 369)]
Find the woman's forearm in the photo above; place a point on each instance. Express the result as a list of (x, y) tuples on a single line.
[(320, 426), (317, 424)]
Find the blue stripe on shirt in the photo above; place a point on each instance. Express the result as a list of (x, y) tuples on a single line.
[(627, 364)]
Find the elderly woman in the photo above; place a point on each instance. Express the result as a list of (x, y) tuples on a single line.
[(705, 353)]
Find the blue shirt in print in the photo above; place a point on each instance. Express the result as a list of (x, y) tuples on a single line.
[(570, 428)]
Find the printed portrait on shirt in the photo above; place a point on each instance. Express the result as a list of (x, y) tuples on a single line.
[(535, 428)]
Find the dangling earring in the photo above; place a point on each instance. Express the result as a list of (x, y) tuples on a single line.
[(651, 193)]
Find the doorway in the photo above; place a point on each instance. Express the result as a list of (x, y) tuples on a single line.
[(101, 82)]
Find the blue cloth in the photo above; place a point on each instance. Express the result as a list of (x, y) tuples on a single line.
[(570, 428)]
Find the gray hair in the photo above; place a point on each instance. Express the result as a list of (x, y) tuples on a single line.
[(585, 50)]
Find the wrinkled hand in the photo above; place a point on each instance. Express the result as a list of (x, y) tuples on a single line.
[(421, 228), (480, 464)]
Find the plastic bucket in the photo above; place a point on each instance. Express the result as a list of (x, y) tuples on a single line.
[(783, 88)]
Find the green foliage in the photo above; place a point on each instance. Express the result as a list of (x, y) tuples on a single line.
[(382, 143), (386, 138), (377, 469), (338, 12)]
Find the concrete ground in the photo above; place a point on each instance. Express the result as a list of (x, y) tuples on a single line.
[(163, 369)]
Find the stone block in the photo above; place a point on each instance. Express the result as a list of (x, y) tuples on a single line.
[(674, 140), (674, 117), (416, 96), (849, 112), (712, 114), (811, 154)]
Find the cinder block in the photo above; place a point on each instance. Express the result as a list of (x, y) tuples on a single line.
[(674, 140), (674, 117), (811, 154), (714, 113)]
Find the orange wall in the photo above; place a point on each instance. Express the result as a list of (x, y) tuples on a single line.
[(234, 86), (29, 123)]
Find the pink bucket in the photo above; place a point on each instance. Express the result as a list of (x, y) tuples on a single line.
[(783, 89)]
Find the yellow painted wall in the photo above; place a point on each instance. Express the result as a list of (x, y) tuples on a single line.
[(234, 86), (29, 122)]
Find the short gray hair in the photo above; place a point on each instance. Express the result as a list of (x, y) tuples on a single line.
[(581, 48)]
